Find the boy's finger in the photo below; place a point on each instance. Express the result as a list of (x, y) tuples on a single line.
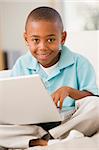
[(56, 99), (61, 102), (53, 96)]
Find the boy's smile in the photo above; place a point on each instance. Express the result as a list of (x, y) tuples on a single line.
[(44, 38)]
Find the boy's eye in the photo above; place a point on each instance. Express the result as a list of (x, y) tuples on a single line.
[(36, 41), (51, 40)]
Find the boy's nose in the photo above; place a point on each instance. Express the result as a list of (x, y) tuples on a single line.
[(42, 45)]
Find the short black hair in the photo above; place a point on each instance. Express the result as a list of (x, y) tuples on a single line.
[(44, 13)]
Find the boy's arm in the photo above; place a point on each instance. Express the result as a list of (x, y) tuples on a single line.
[(65, 91), (76, 94)]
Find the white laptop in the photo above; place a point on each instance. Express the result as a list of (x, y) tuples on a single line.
[(25, 100)]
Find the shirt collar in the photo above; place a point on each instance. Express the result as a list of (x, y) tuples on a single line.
[(66, 58), (31, 62)]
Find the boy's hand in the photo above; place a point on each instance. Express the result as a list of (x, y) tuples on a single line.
[(65, 91), (60, 95)]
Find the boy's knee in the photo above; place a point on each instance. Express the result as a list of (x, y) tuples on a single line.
[(88, 104), (89, 100), (92, 104), (94, 100)]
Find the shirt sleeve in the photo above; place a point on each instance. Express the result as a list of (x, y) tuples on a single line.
[(86, 76)]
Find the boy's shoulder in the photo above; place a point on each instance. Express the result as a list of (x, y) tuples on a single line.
[(72, 55), (26, 55), (26, 59), (23, 64)]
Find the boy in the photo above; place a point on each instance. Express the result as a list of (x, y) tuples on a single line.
[(67, 76)]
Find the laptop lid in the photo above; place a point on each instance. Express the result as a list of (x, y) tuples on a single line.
[(24, 100)]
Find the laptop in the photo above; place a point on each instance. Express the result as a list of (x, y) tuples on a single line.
[(25, 100)]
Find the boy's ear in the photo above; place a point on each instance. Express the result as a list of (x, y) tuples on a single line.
[(63, 39), (25, 38)]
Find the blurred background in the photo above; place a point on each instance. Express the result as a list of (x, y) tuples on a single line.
[(80, 19)]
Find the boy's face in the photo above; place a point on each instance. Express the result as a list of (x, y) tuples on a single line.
[(44, 39)]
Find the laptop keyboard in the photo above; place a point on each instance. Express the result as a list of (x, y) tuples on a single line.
[(66, 113)]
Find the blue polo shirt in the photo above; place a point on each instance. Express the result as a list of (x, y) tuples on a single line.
[(73, 70)]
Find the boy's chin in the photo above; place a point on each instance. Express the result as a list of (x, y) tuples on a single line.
[(45, 65)]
